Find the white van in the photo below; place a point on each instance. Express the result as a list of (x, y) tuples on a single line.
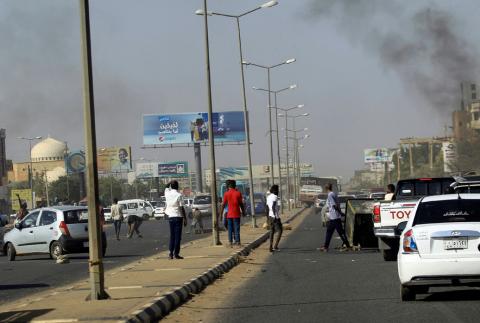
[(141, 208)]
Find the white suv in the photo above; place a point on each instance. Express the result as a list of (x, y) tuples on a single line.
[(51, 230), (440, 244)]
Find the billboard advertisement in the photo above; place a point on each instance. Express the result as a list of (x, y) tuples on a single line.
[(173, 169), (378, 155), (114, 159), (146, 170), (449, 156), (187, 128), (75, 162)]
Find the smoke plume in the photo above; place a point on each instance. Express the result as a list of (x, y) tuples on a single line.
[(423, 45)]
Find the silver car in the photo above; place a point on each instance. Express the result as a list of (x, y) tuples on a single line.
[(51, 230), (203, 203)]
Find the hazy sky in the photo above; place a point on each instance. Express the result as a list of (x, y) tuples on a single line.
[(369, 71)]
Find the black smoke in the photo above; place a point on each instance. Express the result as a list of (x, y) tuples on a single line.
[(421, 42)]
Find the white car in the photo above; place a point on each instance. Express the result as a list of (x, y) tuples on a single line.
[(107, 214), (51, 230), (160, 210), (440, 244)]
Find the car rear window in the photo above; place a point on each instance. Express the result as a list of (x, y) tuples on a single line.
[(202, 200), (458, 210), (107, 210), (76, 216), (423, 187)]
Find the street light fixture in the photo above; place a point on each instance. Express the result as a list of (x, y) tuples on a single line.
[(268, 68), (275, 92), (30, 170), (268, 4)]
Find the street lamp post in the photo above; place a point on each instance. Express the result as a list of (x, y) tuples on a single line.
[(291, 87), (268, 68), (95, 263), (211, 139), (286, 110), (30, 170), (244, 95)]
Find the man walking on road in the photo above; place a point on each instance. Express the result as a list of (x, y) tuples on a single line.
[(234, 200), (335, 219), (117, 216), (176, 218), (274, 217)]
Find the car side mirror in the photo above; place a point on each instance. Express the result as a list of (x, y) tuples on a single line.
[(400, 227), (18, 225)]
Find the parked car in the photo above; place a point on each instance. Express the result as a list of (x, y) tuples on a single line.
[(107, 213), (51, 230), (203, 203), (260, 204), (160, 210), (140, 208), (440, 244)]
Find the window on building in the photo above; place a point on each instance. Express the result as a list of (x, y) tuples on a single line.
[(474, 95), (473, 87), (476, 116)]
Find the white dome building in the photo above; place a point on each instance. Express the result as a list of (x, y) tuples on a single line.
[(49, 150)]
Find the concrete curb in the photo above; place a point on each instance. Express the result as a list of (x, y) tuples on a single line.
[(161, 306)]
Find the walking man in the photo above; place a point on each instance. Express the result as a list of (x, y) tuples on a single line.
[(274, 217), (117, 216), (335, 219), (234, 200), (176, 218)]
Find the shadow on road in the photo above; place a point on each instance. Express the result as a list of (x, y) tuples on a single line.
[(21, 286), (22, 316), (453, 296)]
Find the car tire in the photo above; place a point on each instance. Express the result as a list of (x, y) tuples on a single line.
[(407, 293), (55, 250), (11, 253), (389, 255)]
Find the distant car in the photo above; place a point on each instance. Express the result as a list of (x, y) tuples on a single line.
[(203, 203), (140, 208), (51, 230), (160, 210), (107, 213), (259, 202), (440, 244)]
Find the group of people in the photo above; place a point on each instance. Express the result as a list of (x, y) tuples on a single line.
[(232, 208)]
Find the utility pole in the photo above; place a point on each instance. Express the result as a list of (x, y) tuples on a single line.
[(211, 139), (95, 263), (410, 156)]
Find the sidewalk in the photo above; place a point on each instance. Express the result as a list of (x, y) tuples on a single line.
[(132, 287)]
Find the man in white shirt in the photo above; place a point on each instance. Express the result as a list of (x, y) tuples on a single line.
[(274, 217), (176, 217), (335, 219), (117, 216)]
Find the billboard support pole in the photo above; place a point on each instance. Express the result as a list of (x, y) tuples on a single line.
[(197, 151), (213, 185)]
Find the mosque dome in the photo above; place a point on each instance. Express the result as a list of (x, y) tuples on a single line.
[(49, 149)]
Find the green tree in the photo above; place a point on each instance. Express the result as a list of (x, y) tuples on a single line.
[(66, 189)]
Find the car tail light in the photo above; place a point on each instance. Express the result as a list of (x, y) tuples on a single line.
[(64, 228), (376, 214), (409, 244)]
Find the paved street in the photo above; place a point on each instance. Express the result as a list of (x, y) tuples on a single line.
[(30, 274), (301, 284)]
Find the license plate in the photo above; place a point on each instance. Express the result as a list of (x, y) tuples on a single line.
[(459, 243), (85, 244)]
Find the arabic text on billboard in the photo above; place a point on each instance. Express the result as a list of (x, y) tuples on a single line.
[(378, 155), (175, 169), (192, 128), (114, 159)]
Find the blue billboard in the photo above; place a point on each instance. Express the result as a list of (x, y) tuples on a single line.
[(187, 128)]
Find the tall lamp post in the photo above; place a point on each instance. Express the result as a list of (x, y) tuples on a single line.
[(285, 114), (296, 159), (268, 68), (30, 170), (291, 87), (244, 95)]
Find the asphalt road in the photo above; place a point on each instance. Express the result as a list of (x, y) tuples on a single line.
[(301, 284), (29, 274)]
